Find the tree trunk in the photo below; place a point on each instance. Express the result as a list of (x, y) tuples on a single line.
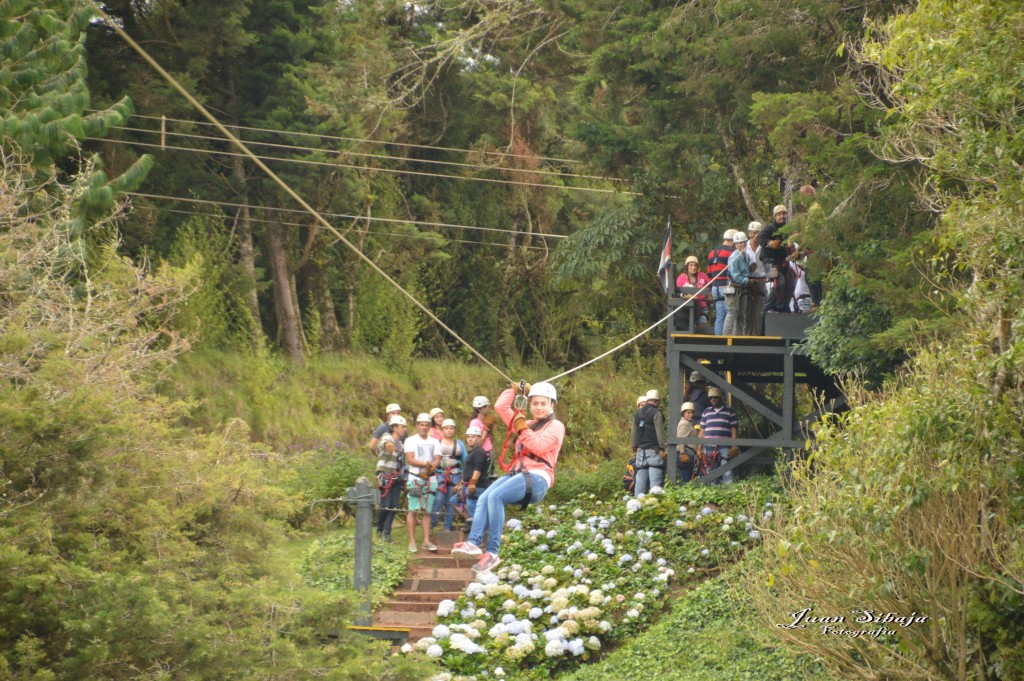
[(245, 246), (740, 180), (288, 325)]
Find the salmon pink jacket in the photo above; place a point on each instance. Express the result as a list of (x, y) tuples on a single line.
[(543, 444)]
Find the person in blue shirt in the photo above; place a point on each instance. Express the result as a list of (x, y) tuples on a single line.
[(391, 411), (738, 269)]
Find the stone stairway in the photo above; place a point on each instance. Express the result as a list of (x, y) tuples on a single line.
[(432, 578)]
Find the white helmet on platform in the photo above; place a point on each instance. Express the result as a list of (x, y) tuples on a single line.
[(474, 430), (423, 418), (687, 406), (397, 420), (544, 389), (480, 401), (653, 395), (392, 407), (448, 422)]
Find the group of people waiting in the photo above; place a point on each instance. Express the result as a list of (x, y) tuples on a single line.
[(750, 273), (440, 475), (703, 414)]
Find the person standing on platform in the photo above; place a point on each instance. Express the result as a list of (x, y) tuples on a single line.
[(775, 258), (718, 259), (648, 436), (692, 276), (754, 309), (390, 460), (719, 421), (739, 277)]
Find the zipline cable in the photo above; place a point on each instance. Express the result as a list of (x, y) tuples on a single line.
[(374, 232), (363, 154), (281, 183), (359, 140), (396, 171), (344, 216)]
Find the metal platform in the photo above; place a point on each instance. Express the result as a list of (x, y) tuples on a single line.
[(742, 366)]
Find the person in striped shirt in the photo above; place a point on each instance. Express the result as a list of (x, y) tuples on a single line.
[(389, 467), (719, 421)]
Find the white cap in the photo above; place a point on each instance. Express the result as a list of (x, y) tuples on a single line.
[(779, 209), (740, 238), (653, 395), (729, 233), (754, 226), (392, 407), (480, 401), (435, 411), (423, 418), (397, 420), (448, 422), (640, 399), (687, 406), (474, 430), (544, 389)]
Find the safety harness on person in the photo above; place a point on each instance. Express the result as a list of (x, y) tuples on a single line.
[(516, 465)]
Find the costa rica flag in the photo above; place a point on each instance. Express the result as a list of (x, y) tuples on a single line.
[(664, 267)]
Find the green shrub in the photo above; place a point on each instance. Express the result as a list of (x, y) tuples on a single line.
[(329, 565)]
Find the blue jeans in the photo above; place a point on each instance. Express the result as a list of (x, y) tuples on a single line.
[(720, 309), (444, 503), (647, 476), (490, 510), (723, 453)]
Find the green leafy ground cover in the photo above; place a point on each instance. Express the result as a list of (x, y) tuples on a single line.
[(581, 578), (329, 562)]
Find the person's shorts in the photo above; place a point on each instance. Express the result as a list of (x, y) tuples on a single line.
[(421, 494)]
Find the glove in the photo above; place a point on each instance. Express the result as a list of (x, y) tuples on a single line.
[(518, 422)]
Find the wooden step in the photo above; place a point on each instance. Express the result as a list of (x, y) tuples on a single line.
[(418, 632), (426, 596), (442, 560), (398, 605), (403, 618), (429, 572), (428, 585)]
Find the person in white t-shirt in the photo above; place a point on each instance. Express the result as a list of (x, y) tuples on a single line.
[(422, 456)]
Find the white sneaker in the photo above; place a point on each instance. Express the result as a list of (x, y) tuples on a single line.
[(465, 549), (430, 547)]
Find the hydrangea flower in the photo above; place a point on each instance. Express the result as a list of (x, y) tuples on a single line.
[(591, 557), (514, 524), (767, 514), (554, 649), (632, 613), (754, 534), (625, 558), (551, 534), (705, 552), (646, 556), (576, 646), (593, 643), (578, 513), (679, 523), (446, 607), (706, 511), (657, 490), (435, 651), (407, 648), (633, 505), (682, 509), (441, 632)]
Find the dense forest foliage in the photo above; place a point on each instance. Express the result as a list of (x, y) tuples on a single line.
[(512, 164)]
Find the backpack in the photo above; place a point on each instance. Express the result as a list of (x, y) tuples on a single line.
[(629, 479)]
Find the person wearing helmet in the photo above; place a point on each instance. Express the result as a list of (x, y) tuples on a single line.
[(436, 419), (718, 259), (648, 437), (539, 443), (774, 257), (449, 475), (697, 393), (483, 419), (751, 322), (687, 453), (477, 469), (390, 411), (422, 456), (389, 467), (692, 277), (739, 277), (719, 421)]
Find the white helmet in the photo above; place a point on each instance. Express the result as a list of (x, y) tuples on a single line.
[(696, 376), (544, 389), (448, 422), (392, 407), (687, 406), (640, 399), (474, 430), (729, 234), (434, 412), (754, 226), (653, 395), (397, 420), (423, 418), (739, 237), (480, 401)]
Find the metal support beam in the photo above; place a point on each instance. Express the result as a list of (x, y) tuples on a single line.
[(731, 464), (745, 396)]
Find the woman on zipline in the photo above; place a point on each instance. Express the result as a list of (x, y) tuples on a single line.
[(530, 474)]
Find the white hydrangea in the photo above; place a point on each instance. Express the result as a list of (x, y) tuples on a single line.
[(508, 618), (591, 556), (662, 562), (728, 521), (547, 570), (679, 523), (445, 608), (682, 509), (705, 552), (486, 578), (499, 672), (578, 513), (435, 651), (604, 626), (497, 630), (552, 507), (610, 550), (576, 647), (632, 613), (407, 648), (706, 511), (741, 518), (514, 524), (554, 649), (542, 548), (441, 632), (593, 643), (755, 535), (646, 556), (551, 534), (657, 490), (473, 589), (625, 558), (633, 505), (767, 514), (466, 613), (691, 571)]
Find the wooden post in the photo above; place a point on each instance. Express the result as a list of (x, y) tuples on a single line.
[(364, 495)]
